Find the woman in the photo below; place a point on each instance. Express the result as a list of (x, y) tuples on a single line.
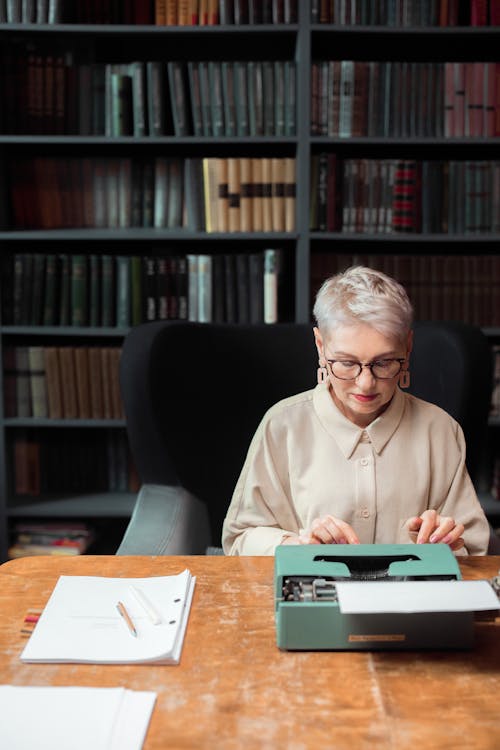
[(356, 459)]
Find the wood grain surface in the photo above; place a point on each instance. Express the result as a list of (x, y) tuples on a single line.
[(235, 689)]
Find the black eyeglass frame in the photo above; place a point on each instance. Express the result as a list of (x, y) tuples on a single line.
[(370, 365)]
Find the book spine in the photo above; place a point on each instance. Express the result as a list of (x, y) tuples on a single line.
[(256, 282), (204, 278), (257, 196), (53, 382), (234, 187), (38, 384), (68, 382), (192, 279), (82, 374), (123, 291), (79, 290), (267, 195), (242, 287), (489, 100), (246, 195), (270, 291)]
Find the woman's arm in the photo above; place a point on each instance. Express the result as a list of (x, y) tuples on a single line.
[(261, 513), (458, 519)]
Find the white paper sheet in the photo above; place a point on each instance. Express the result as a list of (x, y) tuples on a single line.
[(415, 596), (80, 622), (80, 718)]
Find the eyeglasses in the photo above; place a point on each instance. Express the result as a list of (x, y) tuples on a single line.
[(381, 369)]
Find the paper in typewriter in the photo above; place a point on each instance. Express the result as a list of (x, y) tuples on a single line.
[(80, 622), (415, 596)]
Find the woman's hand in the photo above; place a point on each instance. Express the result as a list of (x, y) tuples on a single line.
[(326, 530), (431, 527)]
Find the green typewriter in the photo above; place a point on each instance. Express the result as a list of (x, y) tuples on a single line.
[(315, 583)]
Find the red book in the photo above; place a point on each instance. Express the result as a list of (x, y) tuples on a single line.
[(474, 88), (494, 12), (489, 99), (443, 13), (459, 101), (141, 13), (406, 199), (453, 13), (478, 12), (497, 99), (449, 100)]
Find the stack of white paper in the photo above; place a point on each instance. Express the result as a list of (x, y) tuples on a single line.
[(80, 622), (80, 718)]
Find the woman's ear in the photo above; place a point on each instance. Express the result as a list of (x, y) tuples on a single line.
[(318, 340), (409, 343)]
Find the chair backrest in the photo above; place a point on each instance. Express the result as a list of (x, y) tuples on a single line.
[(195, 393)]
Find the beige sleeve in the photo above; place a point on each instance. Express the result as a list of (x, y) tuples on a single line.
[(463, 505), (261, 513), (451, 480)]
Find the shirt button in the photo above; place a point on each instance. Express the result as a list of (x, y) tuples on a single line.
[(365, 513), (364, 462)]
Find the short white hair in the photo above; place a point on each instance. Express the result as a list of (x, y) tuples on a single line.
[(364, 295)]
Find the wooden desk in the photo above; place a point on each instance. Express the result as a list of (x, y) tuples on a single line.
[(235, 689)]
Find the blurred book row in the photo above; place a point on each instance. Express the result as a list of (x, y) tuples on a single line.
[(50, 538), (121, 290), (146, 12), (405, 99), (441, 287), (206, 194), (404, 195), (64, 382), (61, 463), (50, 91), (406, 13)]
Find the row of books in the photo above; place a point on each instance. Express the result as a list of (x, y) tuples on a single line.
[(213, 12), (405, 99), (213, 195), (122, 291), (62, 382), (370, 196), (48, 92), (146, 12), (30, 538), (62, 462), (441, 287), (406, 13), (254, 98), (238, 288)]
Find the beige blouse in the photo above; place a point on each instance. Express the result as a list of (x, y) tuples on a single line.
[(307, 460)]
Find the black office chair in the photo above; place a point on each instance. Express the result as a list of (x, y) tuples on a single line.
[(195, 393)]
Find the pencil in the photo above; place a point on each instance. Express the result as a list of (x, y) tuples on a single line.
[(123, 612)]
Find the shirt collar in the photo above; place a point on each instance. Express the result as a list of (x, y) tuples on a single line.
[(346, 434)]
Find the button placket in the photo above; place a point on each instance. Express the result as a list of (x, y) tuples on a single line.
[(366, 495)]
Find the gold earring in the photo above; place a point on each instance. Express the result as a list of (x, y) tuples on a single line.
[(404, 379)]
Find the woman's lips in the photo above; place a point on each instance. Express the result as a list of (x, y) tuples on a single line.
[(363, 398)]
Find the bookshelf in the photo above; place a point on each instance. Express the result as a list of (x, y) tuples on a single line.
[(306, 251)]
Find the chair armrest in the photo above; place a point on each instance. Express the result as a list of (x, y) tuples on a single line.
[(166, 521), (494, 543)]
